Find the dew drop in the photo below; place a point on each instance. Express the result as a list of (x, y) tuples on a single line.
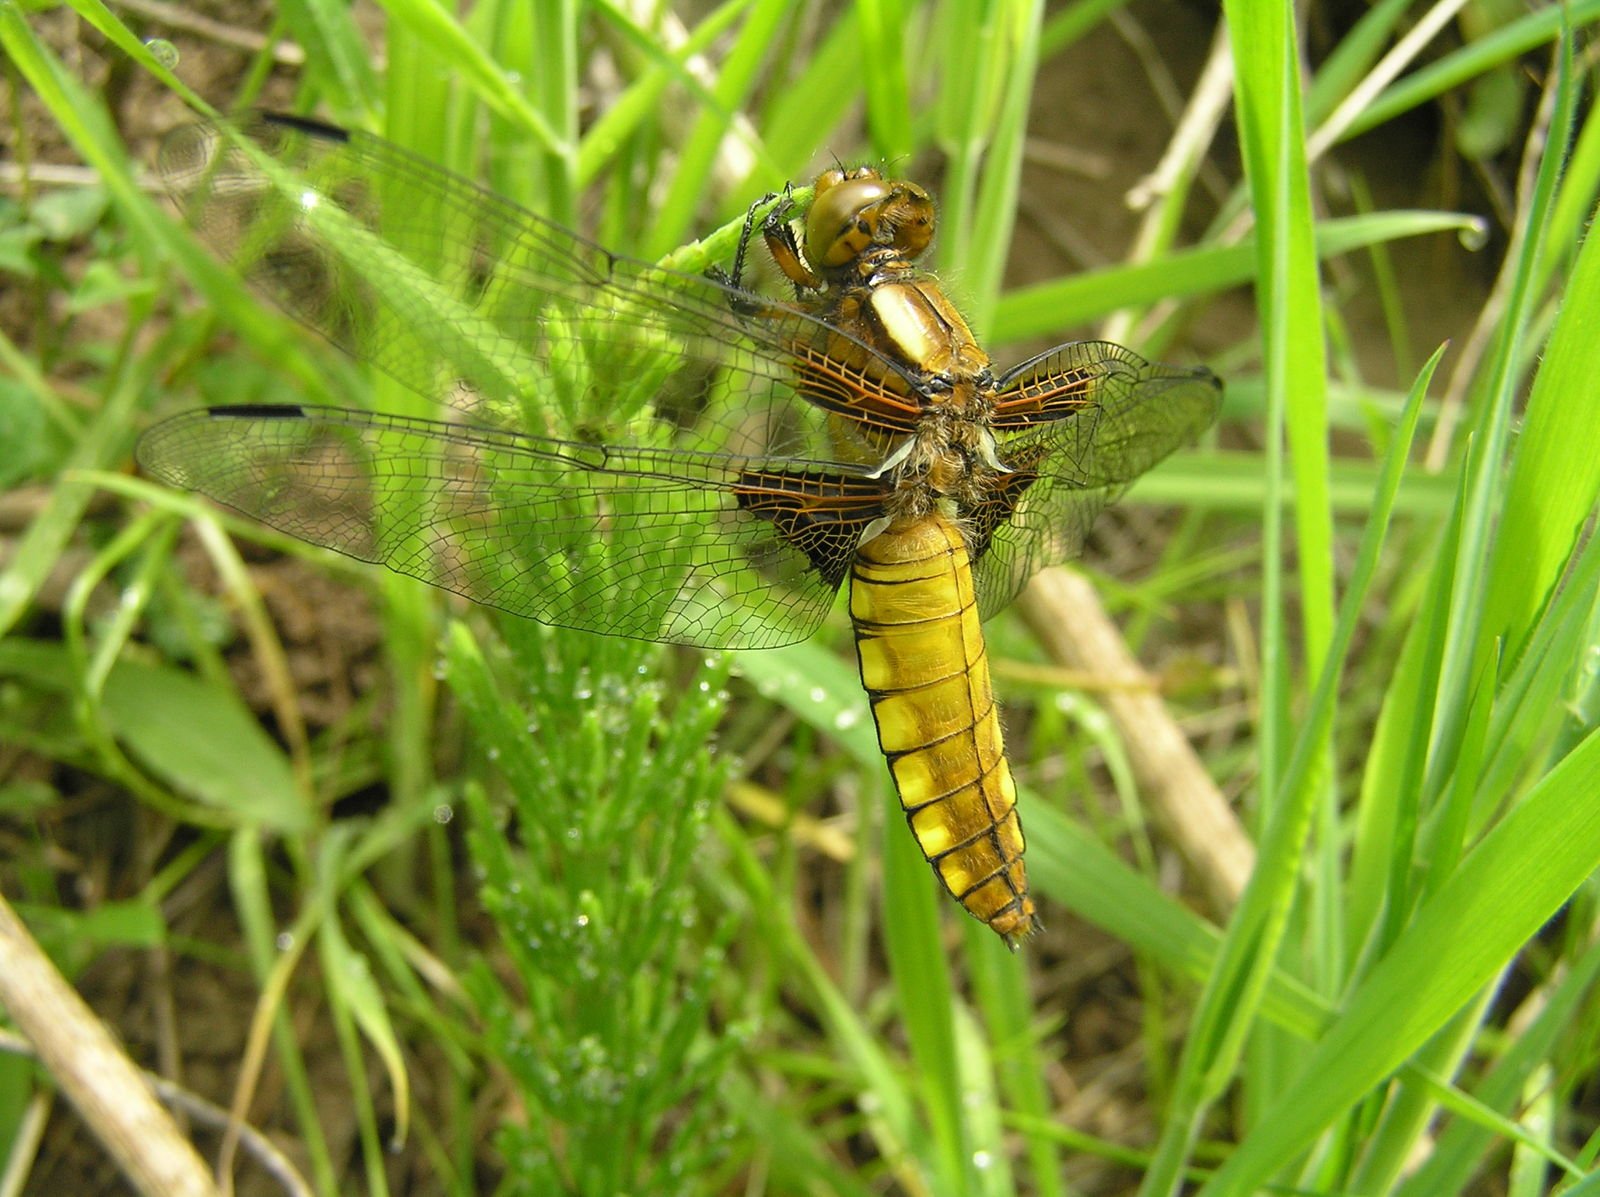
[(443, 813), (163, 51), (285, 941), (847, 718)]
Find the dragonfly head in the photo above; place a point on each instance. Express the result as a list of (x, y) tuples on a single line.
[(853, 211)]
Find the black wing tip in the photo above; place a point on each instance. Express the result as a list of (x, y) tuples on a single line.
[(151, 446), (1197, 375), (256, 411), (1197, 381), (306, 125)]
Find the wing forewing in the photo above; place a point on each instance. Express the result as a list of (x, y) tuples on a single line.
[(668, 477), (467, 298)]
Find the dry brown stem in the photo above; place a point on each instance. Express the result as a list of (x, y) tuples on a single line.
[(94, 1073), (1065, 613)]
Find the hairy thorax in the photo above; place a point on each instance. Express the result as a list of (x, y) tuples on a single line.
[(906, 316)]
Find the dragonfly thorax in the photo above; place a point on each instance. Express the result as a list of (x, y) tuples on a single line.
[(950, 459)]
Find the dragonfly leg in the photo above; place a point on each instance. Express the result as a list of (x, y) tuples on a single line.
[(734, 279), (784, 246), (777, 230)]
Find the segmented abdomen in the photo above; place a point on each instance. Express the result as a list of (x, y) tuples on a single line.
[(926, 671)]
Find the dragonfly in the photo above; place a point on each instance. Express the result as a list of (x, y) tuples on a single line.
[(627, 448)]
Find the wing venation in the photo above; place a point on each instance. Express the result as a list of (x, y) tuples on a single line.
[(652, 544)]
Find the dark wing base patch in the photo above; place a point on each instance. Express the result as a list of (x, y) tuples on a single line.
[(823, 515)]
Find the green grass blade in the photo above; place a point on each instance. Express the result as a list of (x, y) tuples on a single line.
[(337, 56), (1082, 298), (927, 1003), (1222, 481), (1272, 137), (1477, 56), (1461, 1146), (883, 27), (455, 49), (1354, 56), (263, 941), (1505, 890), (805, 117), (1469, 645), (1072, 23), (1555, 477), (641, 101), (1000, 983), (675, 216), (1015, 67), (201, 740)]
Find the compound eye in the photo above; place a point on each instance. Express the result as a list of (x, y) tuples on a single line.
[(843, 219), (911, 219), (827, 179)]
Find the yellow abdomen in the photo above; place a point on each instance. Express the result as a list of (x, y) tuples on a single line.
[(926, 671)]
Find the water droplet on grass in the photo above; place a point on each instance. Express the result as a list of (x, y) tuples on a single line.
[(163, 51)]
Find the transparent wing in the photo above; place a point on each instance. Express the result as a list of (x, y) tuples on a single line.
[(470, 300), (1075, 425), (668, 476), (658, 545)]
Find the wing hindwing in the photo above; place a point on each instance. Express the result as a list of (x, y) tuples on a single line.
[(1076, 425), (657, 544), (826, 516)]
